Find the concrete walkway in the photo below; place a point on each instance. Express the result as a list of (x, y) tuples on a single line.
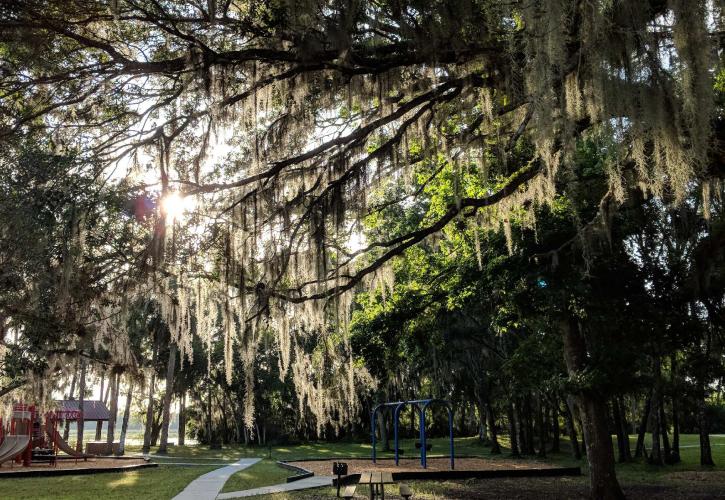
[(208, 486), (151, 455), (302, 484), (196, 464)]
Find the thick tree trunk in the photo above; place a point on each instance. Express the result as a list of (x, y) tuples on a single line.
[(126, 416), (705, 448), (529, 416), (225, 422), (675, 454), (625, 430), (182, 418), (482, 415), (71, 394), (541, 424), (571, 427), (656, 457), (114, 383), (639, 450), (81, 400), (520, 416), (555, 432), (156, 427), (622, 437), (616, 417), (521, 426), (166, 418), (210, 425), (149, 414), (665, 437), (482, 427), (593, 408), (491, 423), (512, 430), (383, 430), (99, 424), (461, 418), (146, 448)]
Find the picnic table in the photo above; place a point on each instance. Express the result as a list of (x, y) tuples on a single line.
[(377, 482)]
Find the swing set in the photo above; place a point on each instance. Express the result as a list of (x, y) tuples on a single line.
[(420, 405)]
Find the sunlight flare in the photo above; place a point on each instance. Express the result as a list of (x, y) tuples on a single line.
[(175, 206)]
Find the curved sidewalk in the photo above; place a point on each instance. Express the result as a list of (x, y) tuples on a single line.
[(302, 484), (208, 486)]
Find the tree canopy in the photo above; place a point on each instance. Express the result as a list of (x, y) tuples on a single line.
[(317, 141)]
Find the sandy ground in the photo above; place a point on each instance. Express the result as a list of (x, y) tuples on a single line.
[(91, 463), (554, 488), (355, 466)]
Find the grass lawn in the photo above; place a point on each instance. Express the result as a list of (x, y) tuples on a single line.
[(264, 473), (152, 484), (640, 480), (463, 446)]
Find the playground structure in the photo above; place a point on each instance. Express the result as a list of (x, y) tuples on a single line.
[(420, 405), (16, 439), (93, 411), (26, 439), (52, 419)]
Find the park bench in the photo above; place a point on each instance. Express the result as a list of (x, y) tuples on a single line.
[(405, 491), (349, 492)]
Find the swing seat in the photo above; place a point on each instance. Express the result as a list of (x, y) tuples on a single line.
[(428, 446)]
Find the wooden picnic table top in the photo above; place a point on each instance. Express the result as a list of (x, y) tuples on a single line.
[(376, 478)]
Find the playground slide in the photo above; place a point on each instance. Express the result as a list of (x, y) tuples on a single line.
[(16, 444), (62, 445), (6, 445)]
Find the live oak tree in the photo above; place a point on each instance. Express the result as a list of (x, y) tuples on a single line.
[(66, 241), (280, 118)]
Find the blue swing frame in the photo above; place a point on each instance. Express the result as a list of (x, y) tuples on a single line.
[(421, 405)]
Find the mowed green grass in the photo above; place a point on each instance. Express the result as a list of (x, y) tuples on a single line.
[(640, 470), (145, 484), (264, 473), (463, 446), (166, 481)]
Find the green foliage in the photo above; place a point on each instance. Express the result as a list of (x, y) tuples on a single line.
[(66, 240)]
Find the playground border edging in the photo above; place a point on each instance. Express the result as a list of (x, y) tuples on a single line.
[(472, 474), (74, 472), (303, 473)]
